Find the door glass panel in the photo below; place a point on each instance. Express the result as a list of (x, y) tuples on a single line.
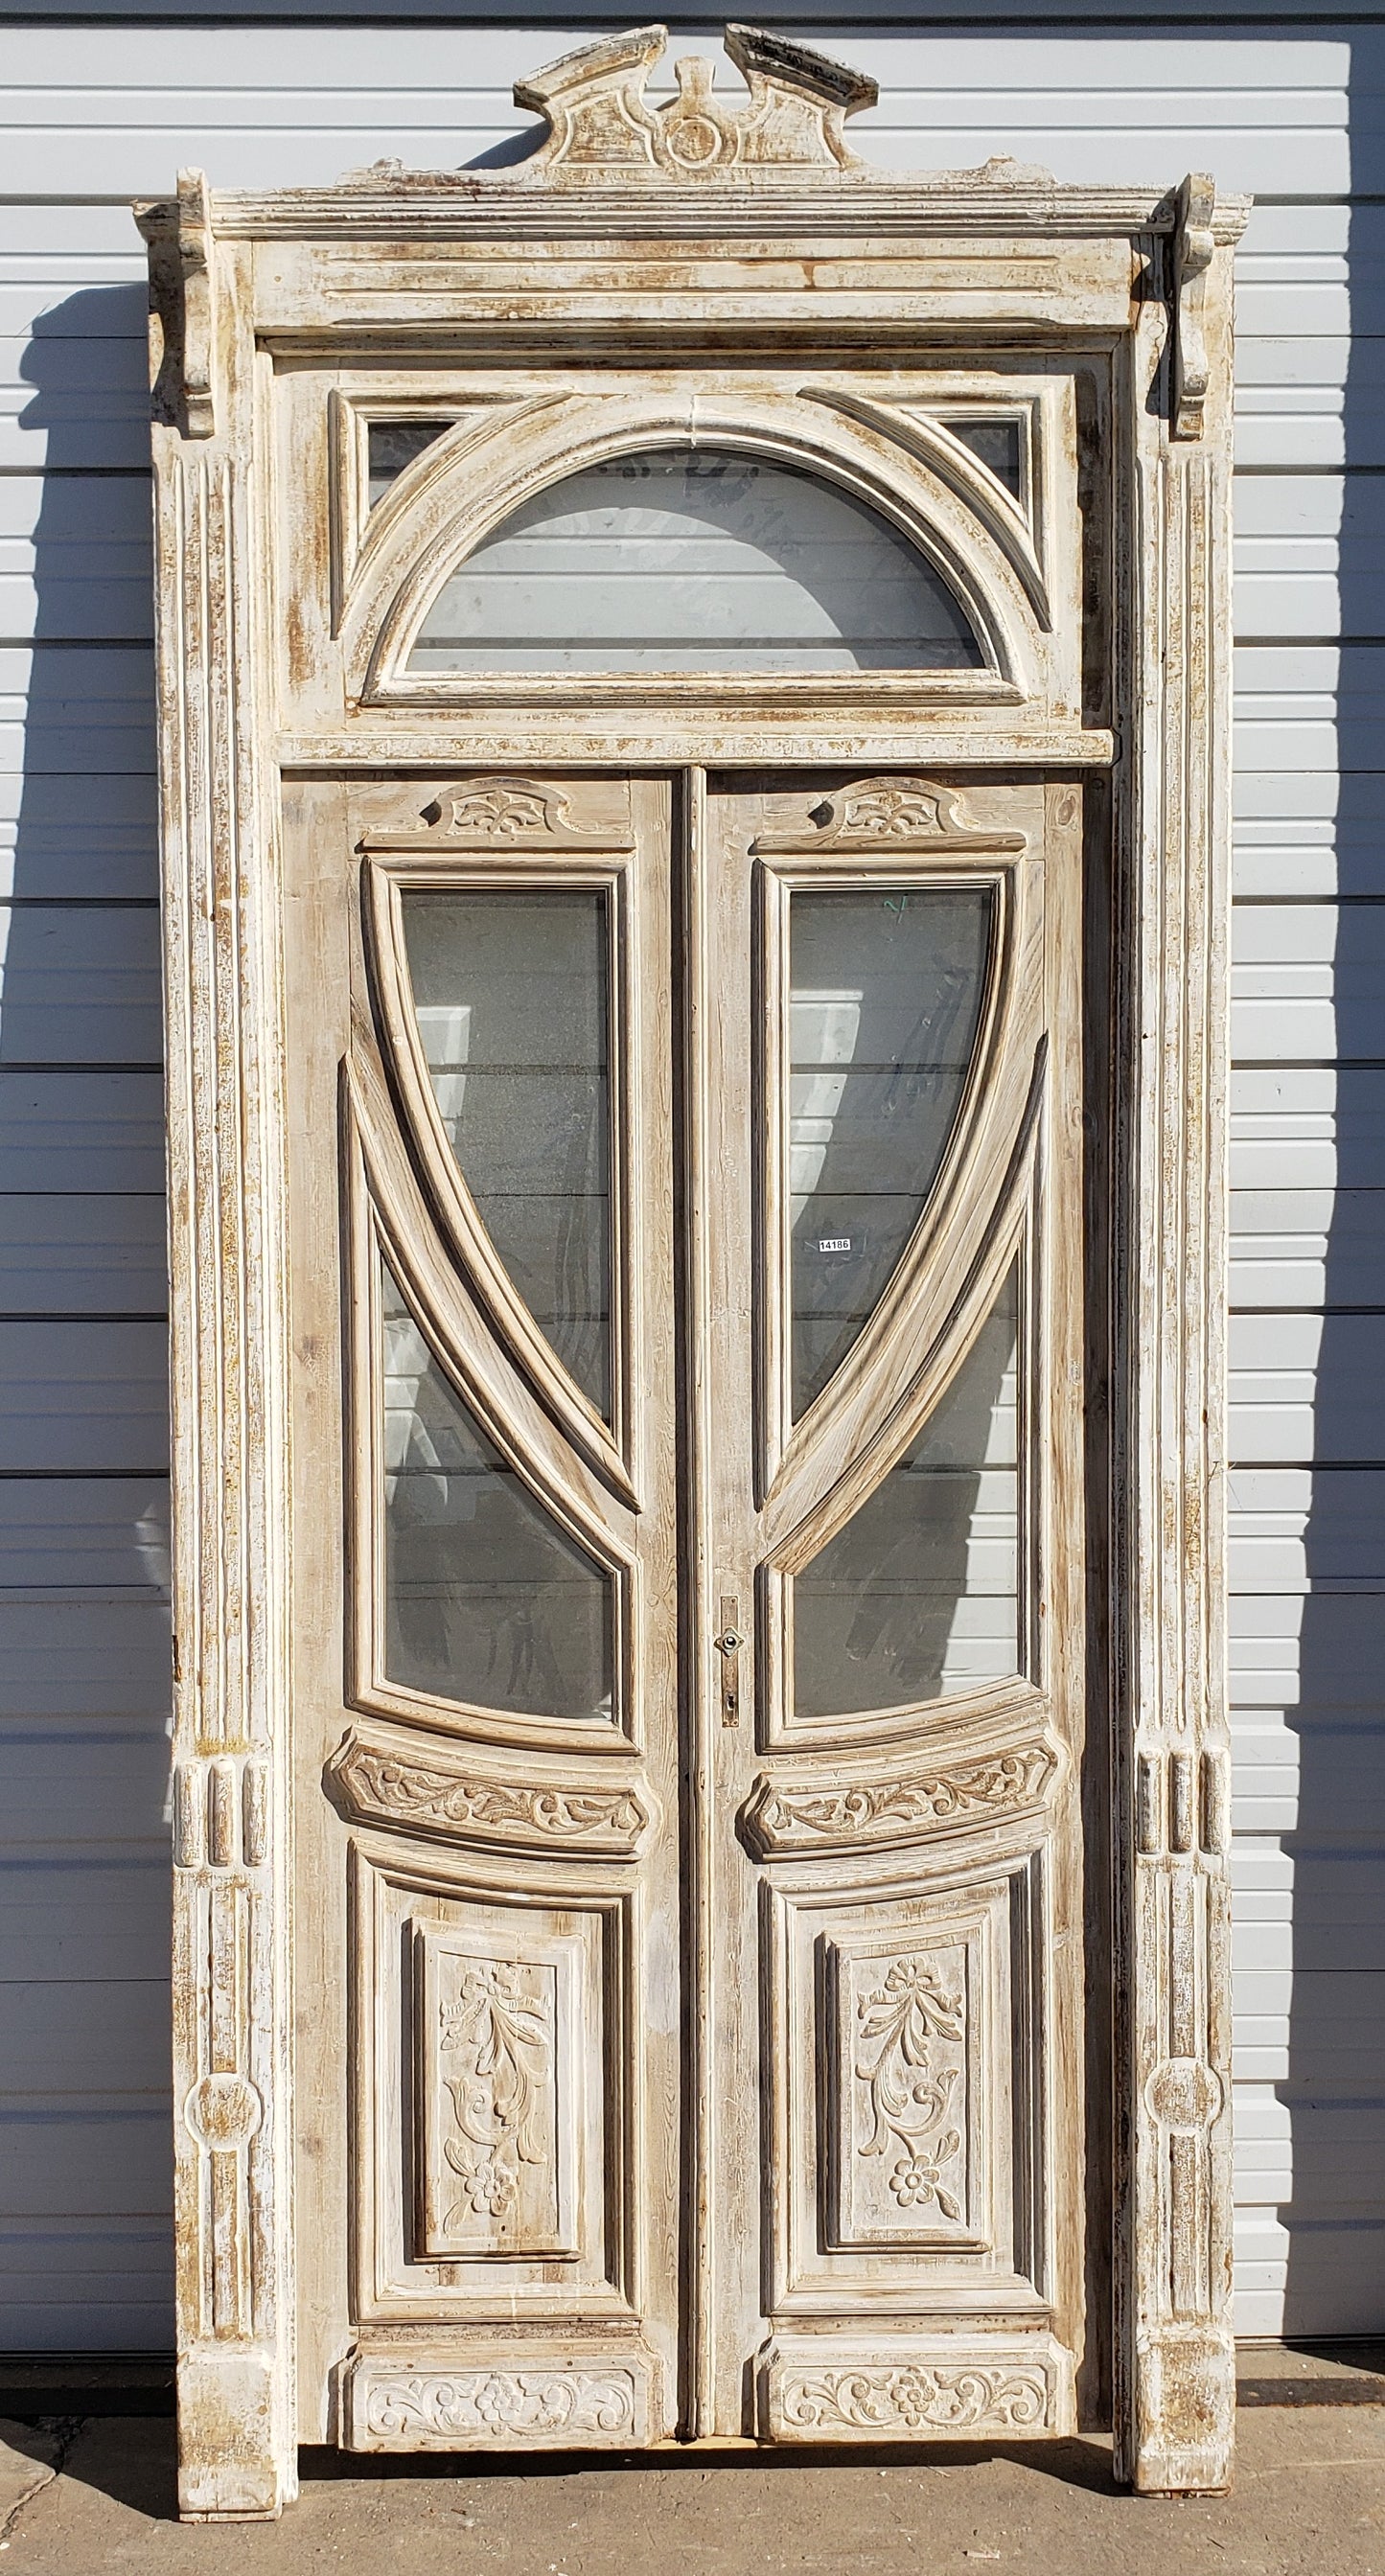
[(511, 995), (487, 1599), (706, 560), (393, 444), (918, 1597), (885, 995), (998, 443)]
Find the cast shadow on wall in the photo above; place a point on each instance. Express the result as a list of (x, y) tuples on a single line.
[(85, 2125)]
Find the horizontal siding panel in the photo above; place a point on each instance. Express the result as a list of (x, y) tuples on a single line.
[(83, 1396), (81, 984), (86, 2040), (262, 63), (61, 1789), (82, 1256), (88, 1657), (81, 1130), (99, 1922), (84, 1642), (107, 2163), (94, 1533), (1308, 1247)]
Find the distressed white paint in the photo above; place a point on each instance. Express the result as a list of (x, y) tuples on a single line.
[(111, 112)]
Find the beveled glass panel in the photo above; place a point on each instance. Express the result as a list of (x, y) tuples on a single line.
[(487, 1599), (885, 993), (511, 994), (918, 1597), (695, 560)]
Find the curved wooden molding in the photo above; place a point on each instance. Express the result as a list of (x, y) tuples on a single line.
[(381, 1782), (784, 1818), (949, 458)]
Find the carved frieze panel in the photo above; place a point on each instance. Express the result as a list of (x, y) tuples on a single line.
[(916, 2390), (391, 1781), (816, 1815), (484, 2397)]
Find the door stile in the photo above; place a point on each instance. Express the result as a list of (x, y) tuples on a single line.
[(694, 993)]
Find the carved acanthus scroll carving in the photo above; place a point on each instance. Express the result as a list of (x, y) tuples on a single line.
[(385, 1787), (890, 814), (908, 2398), (910, 2090), (497, 2028), (780, 1819), (489, 2406), (599, 118)]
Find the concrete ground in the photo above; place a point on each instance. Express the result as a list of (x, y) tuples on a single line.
[(90, 2491)]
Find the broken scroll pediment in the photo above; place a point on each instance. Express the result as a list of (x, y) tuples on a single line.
[(600, 120)]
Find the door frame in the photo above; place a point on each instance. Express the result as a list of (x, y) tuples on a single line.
[(711, 236)]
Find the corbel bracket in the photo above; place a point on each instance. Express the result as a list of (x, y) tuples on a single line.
[(1193, 244), (182, 303)]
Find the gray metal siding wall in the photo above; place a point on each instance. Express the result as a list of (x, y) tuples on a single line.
[(94, 115)]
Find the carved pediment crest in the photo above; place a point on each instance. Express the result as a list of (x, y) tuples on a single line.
[(600, 120)]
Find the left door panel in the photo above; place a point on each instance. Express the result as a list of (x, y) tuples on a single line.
[(485, 1610)]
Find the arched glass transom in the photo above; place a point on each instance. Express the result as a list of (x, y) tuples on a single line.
[(707, 559)]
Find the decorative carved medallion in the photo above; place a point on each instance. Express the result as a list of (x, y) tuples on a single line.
[(224, 2112), (911, 2092), (500, 2405), (599, 119), (895, 1811), (912, 2397), (387, 1788)]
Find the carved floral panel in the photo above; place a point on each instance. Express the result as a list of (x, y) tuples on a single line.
[(497, 2067)]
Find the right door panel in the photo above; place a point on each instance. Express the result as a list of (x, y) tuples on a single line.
[(894, 1873)]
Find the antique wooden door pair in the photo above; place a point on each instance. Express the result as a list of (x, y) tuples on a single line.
[(706, 1732), (693, 751)]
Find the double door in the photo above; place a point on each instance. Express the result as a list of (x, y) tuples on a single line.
[(698, 1966)]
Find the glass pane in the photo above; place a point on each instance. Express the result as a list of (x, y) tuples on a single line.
[(997, 443), (682, 560), (918, 1597), (511, 996), (487, 1600), (393, 444), (885, 993)]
